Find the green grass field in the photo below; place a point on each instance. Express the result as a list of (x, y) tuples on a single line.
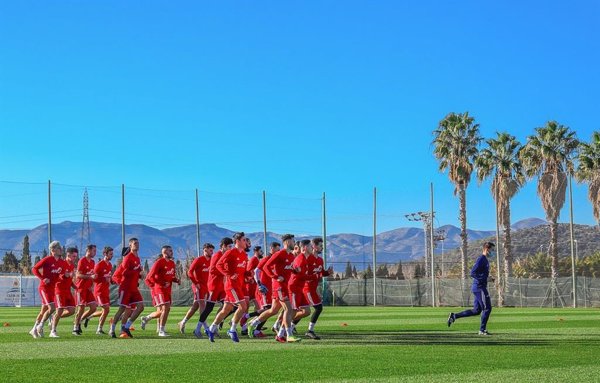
[(359, 344)]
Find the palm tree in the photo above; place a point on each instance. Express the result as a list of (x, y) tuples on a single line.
[(548, 155), (456, 142), (589, 171), (501, 158)]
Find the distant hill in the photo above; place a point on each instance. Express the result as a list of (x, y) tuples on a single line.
[(532, 240), (528, 223), (403, 244)]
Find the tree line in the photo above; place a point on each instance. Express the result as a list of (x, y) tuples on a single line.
[(551, 155)]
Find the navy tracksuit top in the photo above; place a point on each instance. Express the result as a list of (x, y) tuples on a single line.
[(480, 273)]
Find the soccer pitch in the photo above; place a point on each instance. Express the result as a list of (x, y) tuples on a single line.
[(360, 344)]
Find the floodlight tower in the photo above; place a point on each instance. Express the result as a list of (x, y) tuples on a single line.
[(440, 236), (427, 220)]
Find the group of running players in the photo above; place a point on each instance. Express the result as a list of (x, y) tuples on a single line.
[(282, 283)]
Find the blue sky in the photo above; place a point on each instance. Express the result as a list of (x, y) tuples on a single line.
[(296, 98)]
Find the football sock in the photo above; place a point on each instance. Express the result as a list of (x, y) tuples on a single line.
[(315, 315), (281, 332), (233, 327), (290, 331), (213, 328), (311, 326), (128, 324), (207, 310), (199, 326)]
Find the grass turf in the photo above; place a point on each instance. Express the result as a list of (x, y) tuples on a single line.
[(359, 344)]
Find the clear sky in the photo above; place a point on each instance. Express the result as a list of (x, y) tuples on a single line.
[(293, 97)]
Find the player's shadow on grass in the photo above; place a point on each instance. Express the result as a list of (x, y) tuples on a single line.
[(437, 338)]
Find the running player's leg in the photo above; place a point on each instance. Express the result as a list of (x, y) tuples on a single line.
[(188, 315), (259, 321), (314, 299), (201, 324), (224, 312), (55, 320), (46, 300), (103, 315), (92, 306), (165, 310)]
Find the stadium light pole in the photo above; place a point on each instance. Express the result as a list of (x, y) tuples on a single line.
[(424, 217), (325, 247), (427, 219), (197, 225), (374, 246), (264, 195), (499, 283), (574, 277), (440, 236), (431, 248), (122, 215), (49, 212)]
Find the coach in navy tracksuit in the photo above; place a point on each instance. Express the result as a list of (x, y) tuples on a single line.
[(480, 273)]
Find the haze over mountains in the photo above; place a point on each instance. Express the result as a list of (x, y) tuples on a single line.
[(403, 244)]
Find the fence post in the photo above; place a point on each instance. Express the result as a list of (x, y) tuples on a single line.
[(20, 290), (520, 293), (585, 292)]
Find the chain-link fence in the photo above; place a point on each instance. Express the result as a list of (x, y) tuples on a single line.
[(519, 292), (18, 290), (394, 264)]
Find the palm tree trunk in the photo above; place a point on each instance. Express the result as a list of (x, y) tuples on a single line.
[(463, 231), (553, 249), (507, 245)]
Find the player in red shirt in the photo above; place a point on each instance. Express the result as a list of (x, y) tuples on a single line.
[(198, 274), (117, 279), (153, 296), (263, 292), (84, 292), (47, 270), (216, 292), (161, 276), (279, 268), (299, 276), (129, 292), (233, 266), (251, 288), (103, 280), (277, 325), (315, 273), (65, 303)]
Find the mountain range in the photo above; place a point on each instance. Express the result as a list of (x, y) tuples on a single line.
[(402, 244)]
